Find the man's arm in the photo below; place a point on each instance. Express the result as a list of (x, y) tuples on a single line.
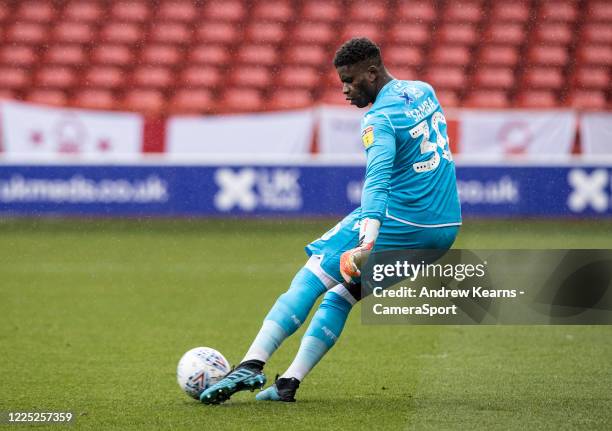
[(379, 139)]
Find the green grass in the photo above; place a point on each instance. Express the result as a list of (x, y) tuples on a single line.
[(95, 315)]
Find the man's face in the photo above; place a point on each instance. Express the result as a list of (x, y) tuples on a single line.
[(358, 84)]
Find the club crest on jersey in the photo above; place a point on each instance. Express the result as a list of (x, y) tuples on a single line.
[(406, 97), (367, 136)]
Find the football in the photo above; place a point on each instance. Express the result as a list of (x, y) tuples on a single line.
[(199, 369)]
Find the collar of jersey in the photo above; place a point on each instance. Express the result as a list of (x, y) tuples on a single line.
[(382, 90)]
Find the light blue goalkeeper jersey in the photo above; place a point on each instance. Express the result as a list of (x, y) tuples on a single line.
[(410, 174)]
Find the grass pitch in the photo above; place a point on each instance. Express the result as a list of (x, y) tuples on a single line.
[(95, 315)]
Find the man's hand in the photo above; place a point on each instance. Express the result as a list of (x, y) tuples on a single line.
[(352, 260)]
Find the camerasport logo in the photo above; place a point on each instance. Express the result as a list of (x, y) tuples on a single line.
[(249, 189), (590, 190)]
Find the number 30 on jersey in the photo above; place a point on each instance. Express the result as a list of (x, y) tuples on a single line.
[(427, 146)]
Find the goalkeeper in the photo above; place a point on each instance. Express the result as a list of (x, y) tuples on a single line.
[(409, 201)]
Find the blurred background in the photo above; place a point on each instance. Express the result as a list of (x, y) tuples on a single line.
[(177, 56), (98, 85)]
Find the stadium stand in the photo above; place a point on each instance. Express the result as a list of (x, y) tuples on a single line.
[(201, 56)]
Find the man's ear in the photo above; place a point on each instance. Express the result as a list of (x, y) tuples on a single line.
[(372, 72)]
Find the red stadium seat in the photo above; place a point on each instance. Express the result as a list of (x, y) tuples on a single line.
[(363, 29), (447, 98), (464, 34), (4, 14), (446, 77), (147, 101), (104, 77), (170, 32), (69, 55), (73, 32), (311, 55), (152, 77), (18, 55), (290, 99), (414, 34), (217, 32), (496, 55), (464, 12), (263, 55), (597, 33), (242, 99), (587, 99), (487, 99), (55, 77), (548, 55), (94, 99), (230, 10), (510, 11), (494, 78), (13, 78), (130, 11), (7, 94), (266, 33), (506, 34), (457, 55), (404, 72), (333, 96), (281, 11), (592, 78), (554, 34), (47, 97), (403, 55), (251, 76), (209, 54), (314, 32), (537, 99), (321, 10), (121, 32), (35, 11), (599, 55), (191, 101), (201, 76), (175, 10), (26, 33), (299, 77), (365, 10), (544, 78), (415, 11), (165, 55), (558, 11), (119, 55), (82, 10), (600, 11)]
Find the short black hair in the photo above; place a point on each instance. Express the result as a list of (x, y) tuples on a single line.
[(357, 50)]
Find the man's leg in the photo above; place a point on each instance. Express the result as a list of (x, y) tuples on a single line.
[(285, 317), (320, 273), (321, 335), (290, 311)]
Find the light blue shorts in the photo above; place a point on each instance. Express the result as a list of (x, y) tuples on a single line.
[(393, 235)]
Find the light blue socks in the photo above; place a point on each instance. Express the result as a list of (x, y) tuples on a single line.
[(322, 333), (287, 315)]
